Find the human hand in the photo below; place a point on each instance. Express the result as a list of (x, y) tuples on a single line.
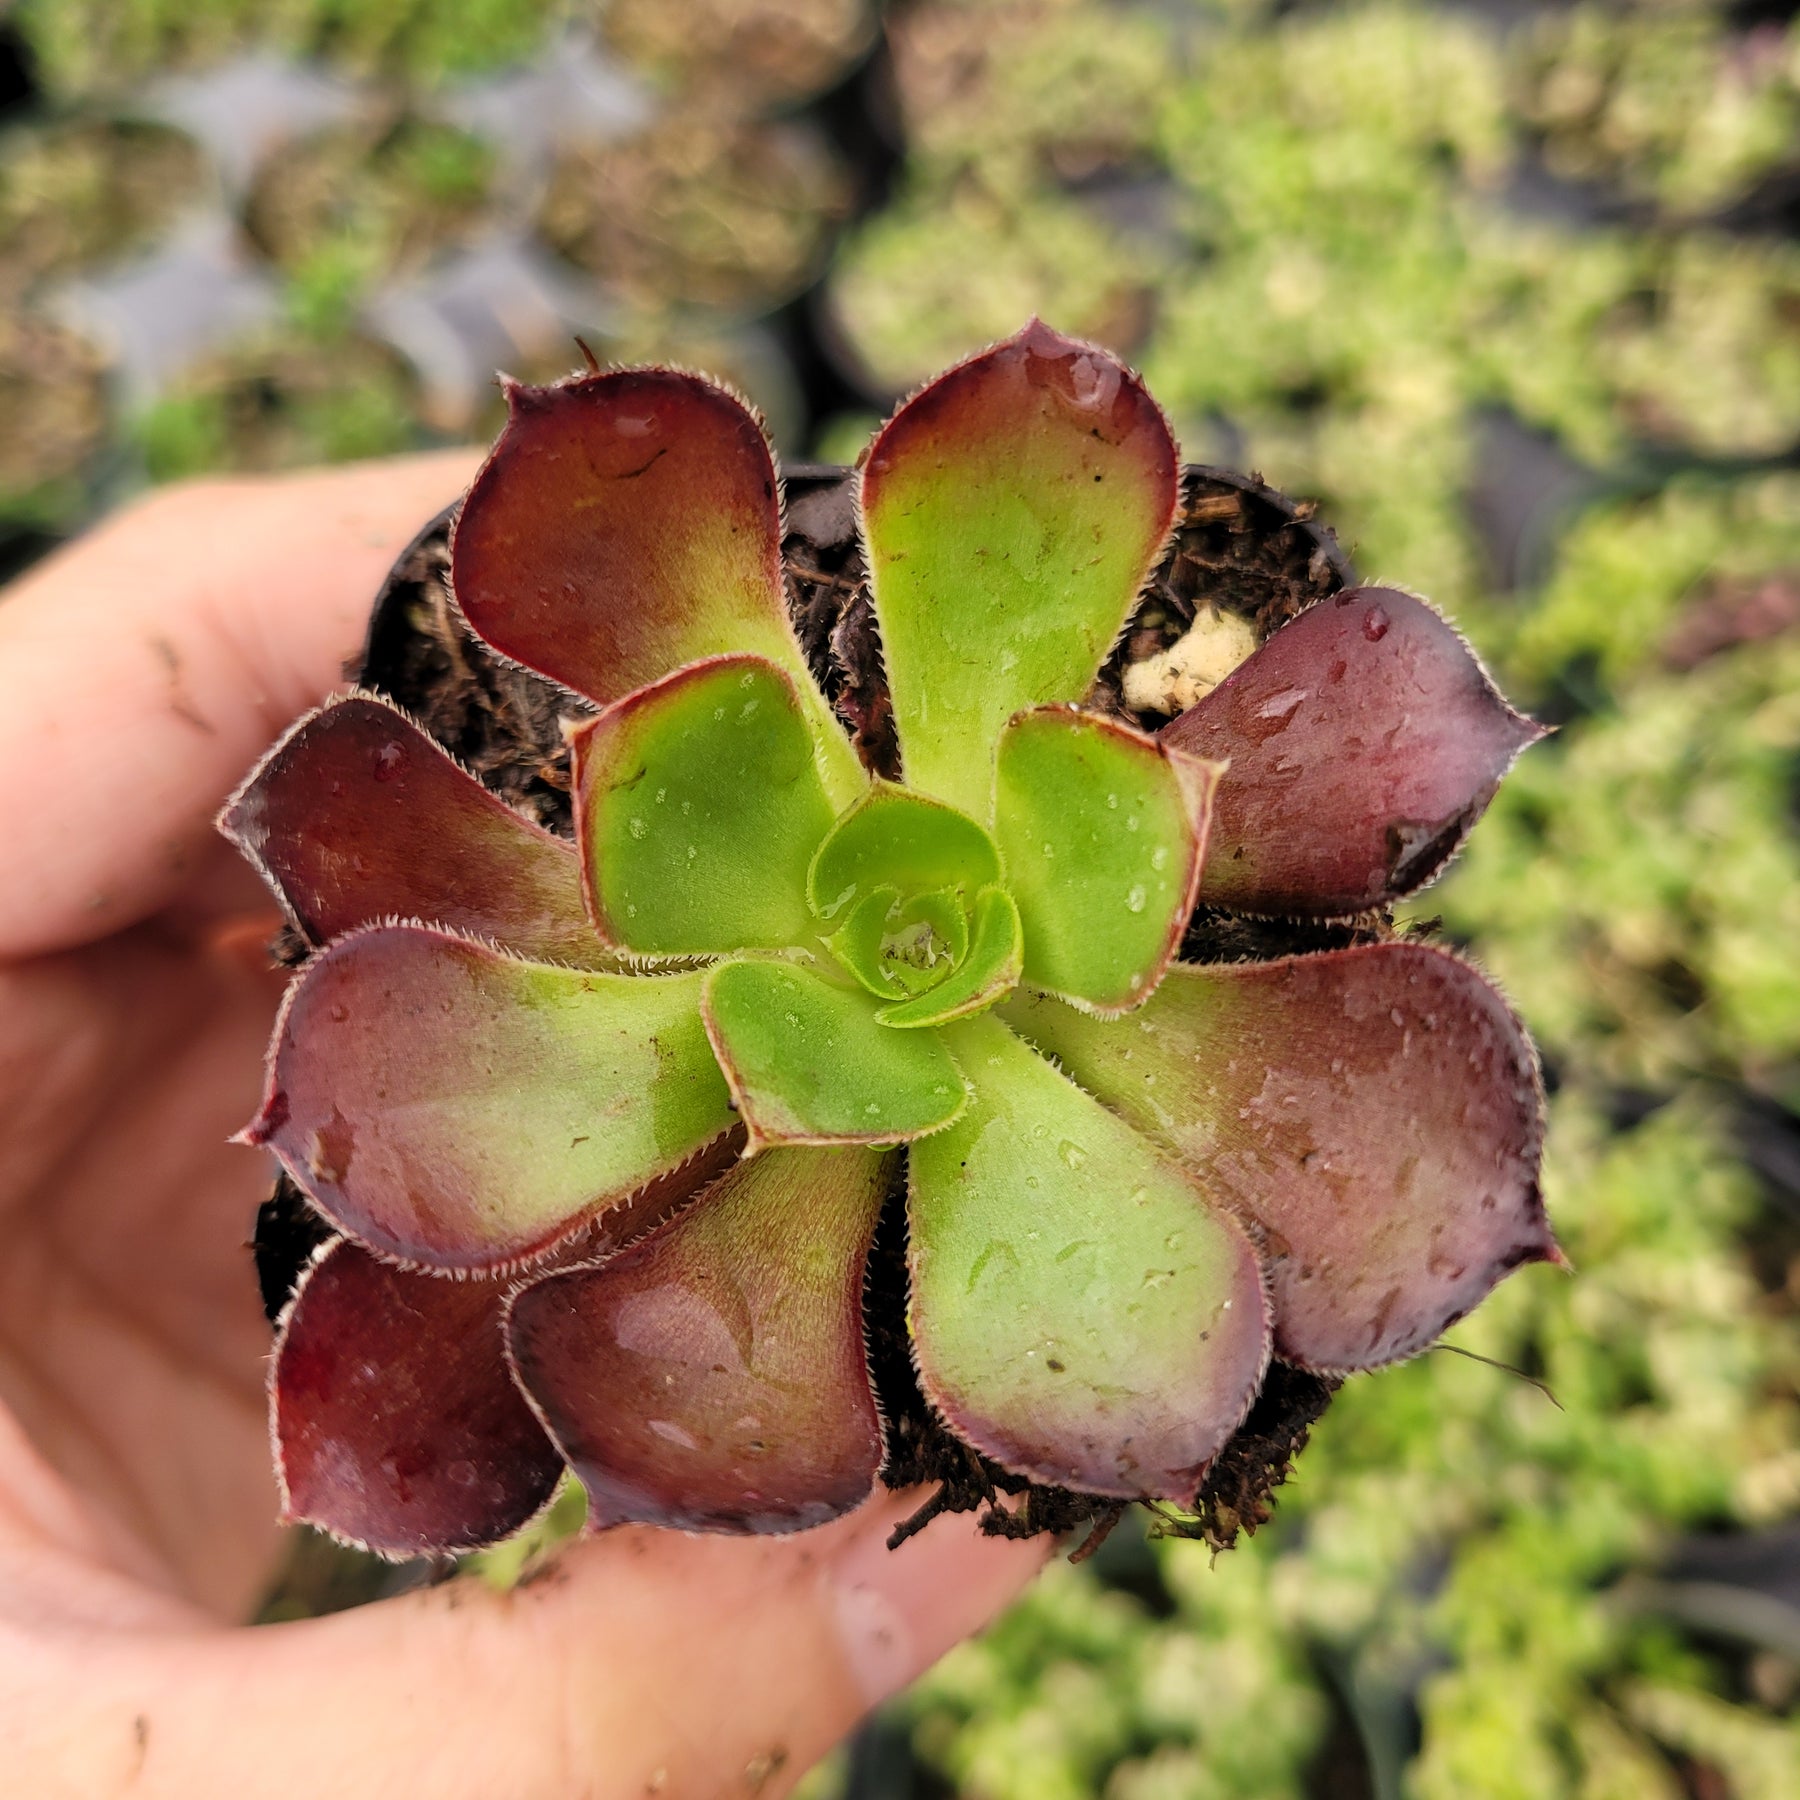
[(142, 671)]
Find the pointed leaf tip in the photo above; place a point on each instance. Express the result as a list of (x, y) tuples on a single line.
[(357, 815), (1364, 740), (712, 1377), (584, 547), (1375, 1110), (396, 1423), (1012, 509), (454, 1107), (625, 524)]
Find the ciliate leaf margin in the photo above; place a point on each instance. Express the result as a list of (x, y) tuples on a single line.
[(580, 736), (661, 1229), (1533, 1113), (744, 1102), (229, 822), (841, 774), (286, 1514), (1204, 1205), (1034, 326), (1529, 732), (701, 1165), (1197, 780)]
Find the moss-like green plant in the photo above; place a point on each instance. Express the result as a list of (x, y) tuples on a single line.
[(760, 976)]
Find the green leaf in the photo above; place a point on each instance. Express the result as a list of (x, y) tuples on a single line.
[(897, 947), (699, 805), (457, 1108), (1103, 832), (987, 973), (1080, 1312), (1013, 508), (808, 1063), (894, 838), (858, 942)]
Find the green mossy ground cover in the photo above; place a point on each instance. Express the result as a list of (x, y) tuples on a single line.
[(88, 47)]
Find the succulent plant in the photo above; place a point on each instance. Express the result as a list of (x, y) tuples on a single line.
[(603, 1129)]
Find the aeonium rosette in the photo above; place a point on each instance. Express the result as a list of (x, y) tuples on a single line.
[(605, 1127)]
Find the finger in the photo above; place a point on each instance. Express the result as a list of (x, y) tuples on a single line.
[(643, 1664), (132, 1346), (147, 666)]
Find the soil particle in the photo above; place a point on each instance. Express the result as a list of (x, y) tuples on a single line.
[(287, 1233), (1239, 547), (502, 722), (1213, 936), (829, 598)]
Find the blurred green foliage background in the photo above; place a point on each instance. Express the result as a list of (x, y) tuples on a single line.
[(1513, 291)]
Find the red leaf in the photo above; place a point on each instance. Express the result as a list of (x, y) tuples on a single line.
[(457, 1108), (625, 524), (357, 815), (712, 1377), (1364, 741), (396, 1423), (1376, 1111)]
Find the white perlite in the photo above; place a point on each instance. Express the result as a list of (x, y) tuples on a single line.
[(1191, 667)]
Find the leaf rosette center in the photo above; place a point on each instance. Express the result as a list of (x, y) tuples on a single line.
[(910, 900)]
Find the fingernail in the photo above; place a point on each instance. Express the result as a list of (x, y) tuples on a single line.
[(898, 1611)]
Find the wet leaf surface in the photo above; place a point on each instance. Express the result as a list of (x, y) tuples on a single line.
[(699, 806), (452, 1106), (712, 1376), (396, 1423), (1080, 1311), (1012, 508), (810, 1063), (1364, 741), (1103, 835), (358, 816), (1375, 1111)]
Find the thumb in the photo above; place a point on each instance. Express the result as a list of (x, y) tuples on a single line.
[(641, 1663), (148, 664)]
